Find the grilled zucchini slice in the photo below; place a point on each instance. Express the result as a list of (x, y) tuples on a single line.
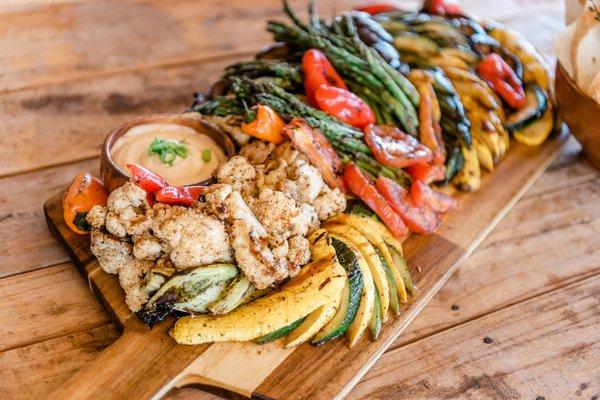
[(314, 322), (279, 333), (376, 318), (535, 133), (402, 269), (368, 252), (534, 109), (351, 295), (365, 309)]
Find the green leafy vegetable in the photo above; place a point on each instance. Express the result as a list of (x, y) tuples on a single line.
[(168, 149)]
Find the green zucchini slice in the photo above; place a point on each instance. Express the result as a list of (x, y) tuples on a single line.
[(279, 333), (351, 295), (536, 105), (394, 300), (376, 318)]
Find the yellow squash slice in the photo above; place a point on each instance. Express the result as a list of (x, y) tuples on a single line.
[(374, 232), (318, 286), (373, 260), (361, 321)]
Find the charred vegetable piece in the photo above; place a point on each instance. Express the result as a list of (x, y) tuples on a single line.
[(500, 76), (402, 269), (239, 291), (183, 287), (536, 104), (84, 192), (315, 146), (200, 303), (424, 196), (394, 148)]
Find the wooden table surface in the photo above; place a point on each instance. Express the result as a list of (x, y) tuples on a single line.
[(519, 320)]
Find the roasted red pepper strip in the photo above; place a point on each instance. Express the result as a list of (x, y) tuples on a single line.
[(179, 195), (394, 148), (501, 77), (149, 181), (442, 7), (378, 8), (424, 196), (345, 106), (418, 219), (426, 172), (318, 71), (319, 151), (364, 189)]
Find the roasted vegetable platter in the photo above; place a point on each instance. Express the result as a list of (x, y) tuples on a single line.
[(430, 124)]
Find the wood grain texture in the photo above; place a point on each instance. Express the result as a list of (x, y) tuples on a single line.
[(432, 259), (44, 304), (559, 330), (128, 35), (32, 371), (27, 244)]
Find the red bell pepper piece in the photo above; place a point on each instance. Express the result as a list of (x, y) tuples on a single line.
[(501, 77), (318, 71), (418, 219), (364, 189), (378, 8), (150, 181), (394, 148), (179, 195), (345, 106), (442, 7), (424, 196), (426, 172)]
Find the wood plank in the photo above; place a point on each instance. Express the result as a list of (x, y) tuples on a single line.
[(32, 371), (45, 304), (68, 122), (79, 40), (518, 261), (27, 244), (548, 346)]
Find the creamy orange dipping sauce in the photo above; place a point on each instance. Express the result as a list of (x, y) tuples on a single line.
[(134, 145)]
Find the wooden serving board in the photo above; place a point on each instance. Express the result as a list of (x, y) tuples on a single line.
[(146, 363)]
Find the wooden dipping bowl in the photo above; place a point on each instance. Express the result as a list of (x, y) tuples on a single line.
[(113, 176), (581, 113)]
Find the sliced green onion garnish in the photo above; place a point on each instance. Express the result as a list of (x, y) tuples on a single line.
[(206, 154), (167, 150)]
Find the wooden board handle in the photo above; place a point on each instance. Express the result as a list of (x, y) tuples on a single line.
[(141, 364)]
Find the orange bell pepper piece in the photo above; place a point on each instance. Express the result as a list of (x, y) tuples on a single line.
[(83, 193), (267, 125)]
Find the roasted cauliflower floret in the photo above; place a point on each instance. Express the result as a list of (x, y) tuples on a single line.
[(238, 173), (96, 217), (112, 253), (127, 211), (146, 247), (329, 203), (280, 215), (308, 180), (131, 279), (257, 151), (231, 125), (195, 238)]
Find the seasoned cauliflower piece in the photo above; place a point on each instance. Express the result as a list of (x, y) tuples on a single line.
[(96, 217), (128, 195), (329, 203), (280, 215), (127, 212), (112, 253), (146, 247), (257, 151), (131, 279), (298, 253), (195, 238), (238, 173), (308, 179), (114, 225), (215, 196)]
